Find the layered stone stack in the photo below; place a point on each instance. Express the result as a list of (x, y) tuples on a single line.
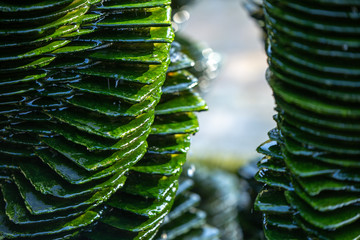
[(80, 81), (311, 169)]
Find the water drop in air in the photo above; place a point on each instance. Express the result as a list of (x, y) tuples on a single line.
[(191, 170)]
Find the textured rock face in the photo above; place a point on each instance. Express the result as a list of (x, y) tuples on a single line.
[(311, 168), (87, 137)]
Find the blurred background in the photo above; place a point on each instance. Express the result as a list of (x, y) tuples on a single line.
[(239, 99), (230, 62)]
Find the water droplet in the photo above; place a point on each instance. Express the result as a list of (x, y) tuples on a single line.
[(175, 26), (262, 173), (181, 16), (191, 170)]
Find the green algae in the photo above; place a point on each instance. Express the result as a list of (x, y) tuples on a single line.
[(151, 186), (185, 101), (152, 17), (161, 164), (175, 123), (134, 5), (329, 220), (101, 125), (116, 88), (81, 135), (141, 206), (272, 201), (91, 161)]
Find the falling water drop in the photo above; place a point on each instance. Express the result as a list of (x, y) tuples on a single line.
[(191, 170)]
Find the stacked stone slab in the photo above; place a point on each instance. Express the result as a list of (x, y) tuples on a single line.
[(185, 221), (311, 169), (79, 84), (137, 210)]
